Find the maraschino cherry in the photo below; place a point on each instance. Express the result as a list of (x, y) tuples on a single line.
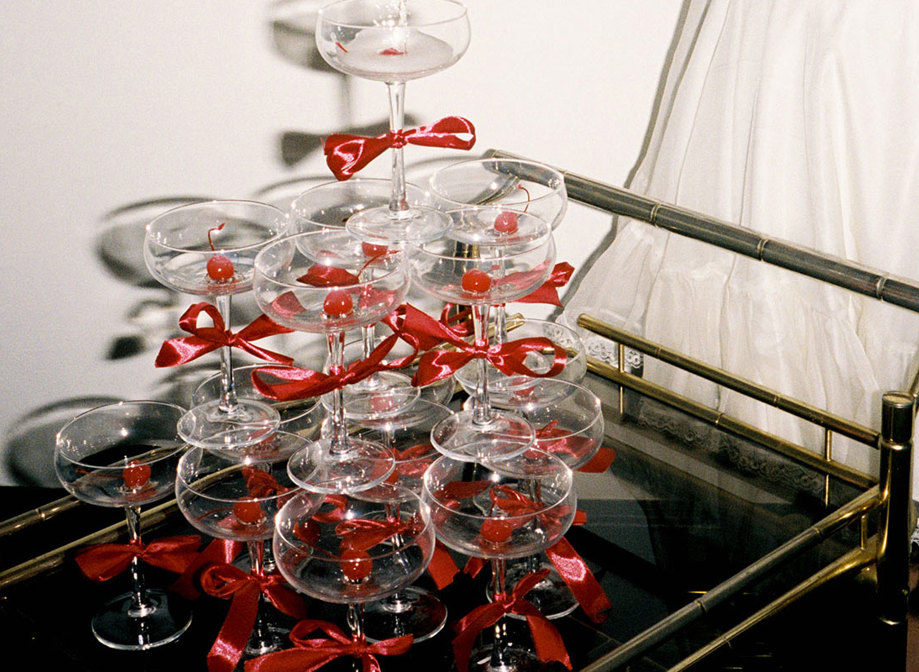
[(496, 530), (219, 266), (372, 250), (248, 512), (355, 565), (135, 475), (338, 303), (476, 281), (506, 222)]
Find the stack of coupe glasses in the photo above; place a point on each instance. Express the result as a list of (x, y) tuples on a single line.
[(354, 474)]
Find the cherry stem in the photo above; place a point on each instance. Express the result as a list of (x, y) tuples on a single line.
[(210, 231)]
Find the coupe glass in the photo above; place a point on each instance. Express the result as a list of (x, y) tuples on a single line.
[(394, 41), (569, 424), (330, 205), (229, 498), (208, 249), (513, 185), (369, 290), (377, 542), (513, 510), (125, 455), (410, 610), (481, 266)]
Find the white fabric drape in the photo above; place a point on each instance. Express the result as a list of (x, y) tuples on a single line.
[(798, 119)]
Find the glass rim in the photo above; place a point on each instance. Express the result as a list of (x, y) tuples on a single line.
[(464, 163), (322, 15), (188, 207)]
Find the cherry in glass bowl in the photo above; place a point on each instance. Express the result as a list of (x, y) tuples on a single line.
[(208, 249), (357, 548), (323, 282), (124, 455)]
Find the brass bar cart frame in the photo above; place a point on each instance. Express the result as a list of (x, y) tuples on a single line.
[(888, 495)]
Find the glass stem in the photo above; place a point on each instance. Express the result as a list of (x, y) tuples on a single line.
[(261, 639), (227, 384), (500, 335), (500, 659), (140, 605), (398, 201), (339, 431), (356, 624), (481, 408)]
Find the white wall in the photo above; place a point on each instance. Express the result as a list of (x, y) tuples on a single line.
[(106, 106)]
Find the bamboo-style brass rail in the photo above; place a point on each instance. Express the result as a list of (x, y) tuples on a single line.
[(690, 613), (824, 267)]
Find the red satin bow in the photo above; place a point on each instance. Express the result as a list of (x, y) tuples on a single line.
[(547, 640), (311, 654), (104, 561), (548, 291), (304, 383), (346, 154), (203, 340), (425, 333), (219, 551), (230, 582), (412, 462)]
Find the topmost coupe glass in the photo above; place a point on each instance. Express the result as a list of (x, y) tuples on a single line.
[(393, 41), (209, 249)]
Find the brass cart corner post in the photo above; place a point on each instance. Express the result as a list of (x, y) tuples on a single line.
[(895, 483)]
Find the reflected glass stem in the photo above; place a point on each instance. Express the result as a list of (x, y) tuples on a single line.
[(481, 408), (398, 201)]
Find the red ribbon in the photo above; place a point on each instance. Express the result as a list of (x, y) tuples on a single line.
[(574, 571), (362, 534), (203, 340), (548, 291), (425, 333), (442, 568), (104, 561), (311, 654), (575, 446), (304, 383), (244, 589), (546, 638), (346, 154), (219, 551), (412, 462)]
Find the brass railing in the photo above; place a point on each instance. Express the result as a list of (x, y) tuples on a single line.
[(888, 551)]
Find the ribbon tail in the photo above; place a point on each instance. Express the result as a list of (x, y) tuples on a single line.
[(580, 580), (547, 640), (227, 649)]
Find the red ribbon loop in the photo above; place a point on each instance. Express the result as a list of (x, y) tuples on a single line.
[(548, 291), (423, 332), (304, 383), (230, 582), (347, 154), (219, 551), (105, 561), (362, 534), (546, 638), (203, 340), (310, 654)]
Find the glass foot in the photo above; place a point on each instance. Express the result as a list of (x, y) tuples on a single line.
[(418, 224), (504, 435), (411, 611), (209, 426), (165, 619), (551, 595), (382, 395), (364, 464)]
